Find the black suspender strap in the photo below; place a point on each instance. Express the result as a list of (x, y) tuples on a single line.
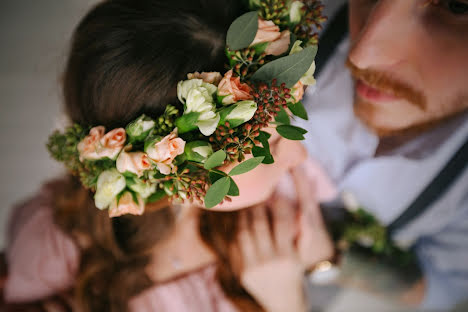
[(436, 189), (333, 34)]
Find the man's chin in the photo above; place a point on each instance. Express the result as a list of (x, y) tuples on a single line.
[(380, 121), (391, 124)]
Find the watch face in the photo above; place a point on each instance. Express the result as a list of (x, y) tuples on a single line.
[(324, 272)]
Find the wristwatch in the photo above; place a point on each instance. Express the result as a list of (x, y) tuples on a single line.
[(325, 272)]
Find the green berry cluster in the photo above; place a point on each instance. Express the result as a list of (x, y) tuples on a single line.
[(166, 122), (311, 22), (247, 61), (241, 140), (275, 11)]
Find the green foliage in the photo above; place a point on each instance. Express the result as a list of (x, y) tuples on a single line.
[(158, 195), (233, 189), (291, 132), (288, 69), (242, 31), (282, 117), (187, 122), (298, 110), (166, 123), (215, 160), (246, 166), (63, 148), (215, 175), (217, 192)]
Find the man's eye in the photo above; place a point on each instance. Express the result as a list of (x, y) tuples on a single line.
[(457, 7), (453, 7)]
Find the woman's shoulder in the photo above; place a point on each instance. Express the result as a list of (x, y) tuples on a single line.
[(41, 258), (24, 211), (195, 291)]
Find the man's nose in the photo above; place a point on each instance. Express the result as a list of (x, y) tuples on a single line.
[(384, 39)]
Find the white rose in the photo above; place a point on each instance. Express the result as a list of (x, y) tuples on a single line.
[(144, 189), (242, 112), (295, 13), (198, 151), (140, 128), (184, 87), (200, 101), (109, 184)]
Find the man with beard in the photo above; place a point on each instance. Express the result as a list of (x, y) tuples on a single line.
[(389, 124)]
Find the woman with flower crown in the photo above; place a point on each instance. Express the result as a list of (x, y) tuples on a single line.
[(160, 130)]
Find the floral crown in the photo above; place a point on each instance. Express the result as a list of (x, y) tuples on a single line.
[(270, 53)]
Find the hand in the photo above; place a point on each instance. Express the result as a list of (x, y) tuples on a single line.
[(270, 269), (314, 243)]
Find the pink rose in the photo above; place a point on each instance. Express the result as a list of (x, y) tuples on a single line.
[(267, 32), (126, 205), (210, 77), (164, 152), (280, 45), (136, 162), (88, 147), (112, 143), (298, 91), (233, 90)]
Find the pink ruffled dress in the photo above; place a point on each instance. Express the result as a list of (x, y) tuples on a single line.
[(43, 261)]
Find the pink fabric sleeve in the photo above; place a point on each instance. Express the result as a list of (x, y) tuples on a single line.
[(196, 291), (42, 260)]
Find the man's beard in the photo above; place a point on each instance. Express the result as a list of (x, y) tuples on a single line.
[(365, 111)]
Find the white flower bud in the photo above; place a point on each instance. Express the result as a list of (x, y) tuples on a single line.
[(198, 151), (242, 112), (144, 189), (140, 128), (109, 184), (295, 13)]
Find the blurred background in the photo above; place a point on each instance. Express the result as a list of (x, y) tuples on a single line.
[(34, 38)]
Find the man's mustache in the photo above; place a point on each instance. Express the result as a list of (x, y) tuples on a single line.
[(389, 85)]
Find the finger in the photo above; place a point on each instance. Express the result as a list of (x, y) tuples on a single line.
[(284, 225), (245, 242), (262, 233), (306, 196)]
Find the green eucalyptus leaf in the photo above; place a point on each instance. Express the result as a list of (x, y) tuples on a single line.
[(215, 160), (298, 110), (217, 192), (291, 132), (288, 69), (282, 117), (233, 189), (242, 31), (258, 151), (215, 175), (264, 137), (187, 122), (246, 166), (160, 194)]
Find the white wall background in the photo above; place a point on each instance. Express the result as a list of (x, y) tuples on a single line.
[(33, 44)]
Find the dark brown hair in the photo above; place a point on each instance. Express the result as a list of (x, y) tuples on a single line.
[(126, 58)]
